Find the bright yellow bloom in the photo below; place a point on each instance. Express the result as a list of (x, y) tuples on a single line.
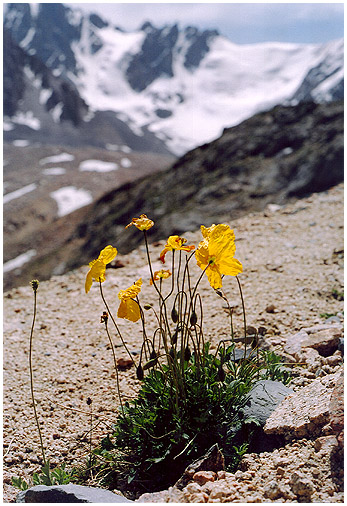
[(98, 266), (162, 274), (216, 254), (128, 307), (175, 242), (142, 223)]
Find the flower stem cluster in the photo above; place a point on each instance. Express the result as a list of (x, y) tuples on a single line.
[(178, 337)]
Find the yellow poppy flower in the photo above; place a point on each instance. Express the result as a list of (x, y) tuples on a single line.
[(175, 242), (162, 274), (98, 266), (216, 254), (129, 308), (142, 223)]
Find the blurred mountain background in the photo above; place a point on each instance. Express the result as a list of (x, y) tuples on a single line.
[(103, 124)]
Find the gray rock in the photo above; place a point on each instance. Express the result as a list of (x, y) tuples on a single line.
[(265, 396), (69, 493)]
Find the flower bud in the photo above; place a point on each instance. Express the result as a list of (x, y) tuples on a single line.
[(150, 363), (147, 306), (139, 373), (193, 318), (174, 315)]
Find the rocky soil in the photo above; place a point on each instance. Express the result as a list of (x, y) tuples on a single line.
[(292, 283)]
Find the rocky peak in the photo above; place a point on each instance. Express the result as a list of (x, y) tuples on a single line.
[(155, 58)]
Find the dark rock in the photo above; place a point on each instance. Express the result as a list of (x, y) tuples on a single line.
[(213, 460), (69, 493), (265, 396)]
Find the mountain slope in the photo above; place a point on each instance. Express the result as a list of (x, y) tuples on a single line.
[(272, 158), (181, 84), (286, 152)]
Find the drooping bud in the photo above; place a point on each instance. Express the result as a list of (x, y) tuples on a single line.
[(174, 315), (153, 355), (139, 373), (150, 363), (193, 319), (147, 306)]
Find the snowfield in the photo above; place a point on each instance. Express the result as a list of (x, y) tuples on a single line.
[(70, 198), (97, 166)]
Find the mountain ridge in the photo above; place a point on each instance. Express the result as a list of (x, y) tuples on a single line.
[(181, 85)]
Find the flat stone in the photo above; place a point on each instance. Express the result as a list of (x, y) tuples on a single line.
[(324, 341), (305, 412), (265, 396), (68, 493), (323, 338)]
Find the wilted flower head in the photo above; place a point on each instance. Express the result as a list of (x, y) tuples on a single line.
[(162, 274), (98, 266), (175, 242), (216, 254), (129, 308), (142, 223)]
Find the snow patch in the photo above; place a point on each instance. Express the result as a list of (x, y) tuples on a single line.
[(56, 112), (45, 94), (62, 157), (126, 163), (7, 126), (17, 262), (21, 143), (97, 166), (70, 198), (28, 38), (54, 171), (27, 118), (19, 193)]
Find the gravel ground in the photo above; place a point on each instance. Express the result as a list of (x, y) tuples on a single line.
[(292, 265)]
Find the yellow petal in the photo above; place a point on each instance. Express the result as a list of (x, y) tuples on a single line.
[(230, 267), (98, 270), (129, 310), (108, 254), (163, 253), (214, 277), (89, 281)]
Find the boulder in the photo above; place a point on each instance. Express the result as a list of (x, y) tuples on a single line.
[(68, 493), (305, 412), (265, 396), (323, 338)]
